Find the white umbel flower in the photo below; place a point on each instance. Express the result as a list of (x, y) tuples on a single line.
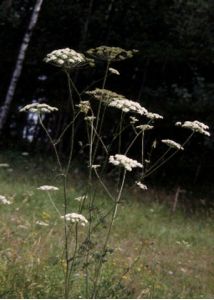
[(172, 144), (67, 58), (95, 166), (114, 71), (133, 120), (145, 127), (75, 218), (90, 119), (3, 200), (153, 116), (124, 161), (4, 165), (38, 108), (128, 106), (48, 188), (141, 185), (84, 106), (81, 198), (41, 223), (105, 96), (195, 126)]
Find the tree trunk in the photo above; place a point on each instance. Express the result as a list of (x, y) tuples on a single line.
[(19, 65)]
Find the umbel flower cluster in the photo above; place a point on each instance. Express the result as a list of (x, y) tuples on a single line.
[(141, 185), (145, 127), (172, 144), (118, 101), (111, 53), (128, 106), (48, 188), (4, 165), (153, 116), (124, 161), (84, 106), (38, 108), (195, 126), (3, 200), (66, 58), (104, 95), (75, 218), (114, 71)]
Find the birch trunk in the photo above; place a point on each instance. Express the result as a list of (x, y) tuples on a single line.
[(19, 65)]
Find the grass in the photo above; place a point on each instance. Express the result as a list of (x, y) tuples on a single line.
[(176, 250)]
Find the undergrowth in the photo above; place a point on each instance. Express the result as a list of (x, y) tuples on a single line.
[(176, 249)]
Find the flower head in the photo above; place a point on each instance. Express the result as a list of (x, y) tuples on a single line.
[(103, 95), (128, 106), (141, 185), (66, 58), (124, 161), (195, 126), (172, 144), (153, 116), (84, 106), (114, 71), (3, 200), (48, 188), (90, 119), (75, 218), (25, 153), (133, 120), (41, 223), (145, 127), (38, 108), (95, 166), (111, 53), (81, 198), (4, 165)]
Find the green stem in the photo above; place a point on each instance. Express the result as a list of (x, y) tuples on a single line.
[(152, 170), (98, 271)]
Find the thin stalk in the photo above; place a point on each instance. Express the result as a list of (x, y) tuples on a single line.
[(65, 129), (130, 267), (99, 110), (142, 151), (73, 256), (101, 141), (103, 185), (98, 271), (67, 273), (103, 86), (159, 159), (52, 202), (92, 84), (119, 147), (52, 143), (90, 205), (66, 283), (72, 125), (75, 89), (66, 239), (152, 170), (132, 142)]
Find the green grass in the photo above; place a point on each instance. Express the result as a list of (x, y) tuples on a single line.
[(177, 250)]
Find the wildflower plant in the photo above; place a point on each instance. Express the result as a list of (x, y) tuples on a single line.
[(81, 252)]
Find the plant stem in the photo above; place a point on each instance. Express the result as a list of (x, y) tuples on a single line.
[(100, 263)]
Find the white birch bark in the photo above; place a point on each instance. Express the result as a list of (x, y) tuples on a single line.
[(19, 64)]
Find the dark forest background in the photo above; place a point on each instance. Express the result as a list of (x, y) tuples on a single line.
[(171, 75)]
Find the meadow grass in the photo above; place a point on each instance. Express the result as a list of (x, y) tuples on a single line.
[(176, 250)]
